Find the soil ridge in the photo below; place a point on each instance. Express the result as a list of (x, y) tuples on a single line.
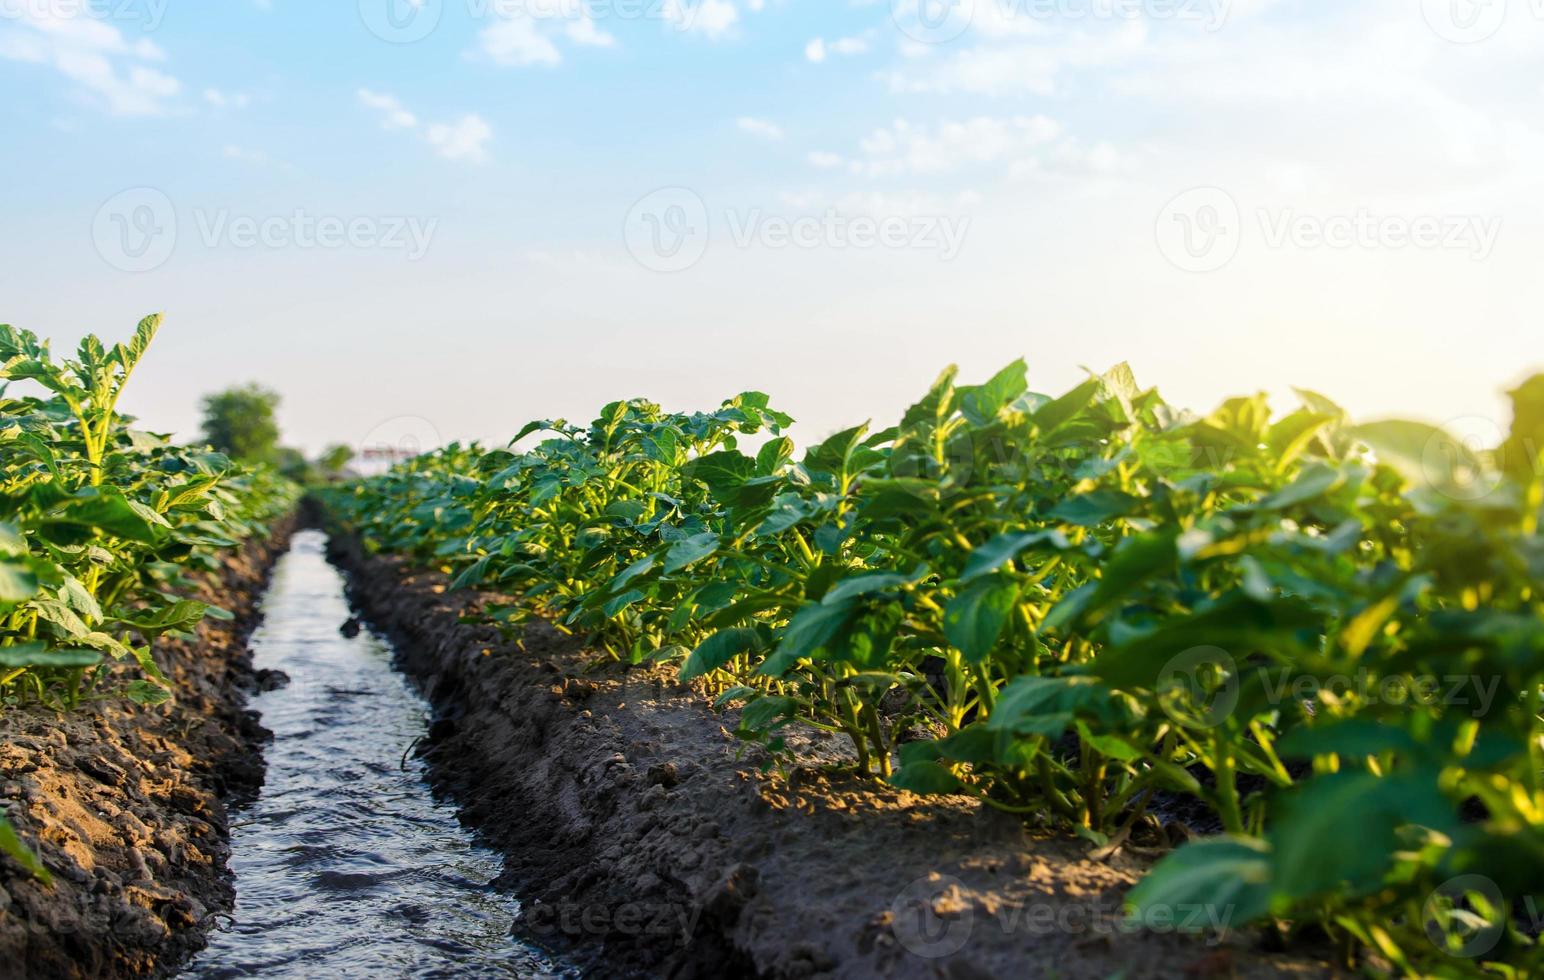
[(128, 806), (645, 840)]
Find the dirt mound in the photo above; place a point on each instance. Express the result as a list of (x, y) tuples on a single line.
[(645, 839), (127, 805)]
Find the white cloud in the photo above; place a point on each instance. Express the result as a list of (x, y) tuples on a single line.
[(466, 139), (393, 114), (234, 152), (911, 149), (712, 18), (1022, 66), (93, 54), (760, 127), (524, 32), (819, 49), (227, 100)]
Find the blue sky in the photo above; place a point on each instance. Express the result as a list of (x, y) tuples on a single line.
[(538, 206)]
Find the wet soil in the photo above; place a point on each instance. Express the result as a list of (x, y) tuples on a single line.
[(646, 840), (126, 805)]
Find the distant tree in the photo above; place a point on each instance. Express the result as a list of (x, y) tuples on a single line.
[(240, 423), (293, 464), (334, 458)]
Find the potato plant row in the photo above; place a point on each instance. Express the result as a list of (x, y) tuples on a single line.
[(103, 529), (1084, 608)]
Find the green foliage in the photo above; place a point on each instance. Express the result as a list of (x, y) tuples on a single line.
[(101, 525), (334, 459), (240, 423), (1322, 632)]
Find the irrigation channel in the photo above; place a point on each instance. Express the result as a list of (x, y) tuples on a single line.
[(346, 865)]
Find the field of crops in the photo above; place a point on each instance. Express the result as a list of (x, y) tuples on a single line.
[(1322, 641), (103, 530)]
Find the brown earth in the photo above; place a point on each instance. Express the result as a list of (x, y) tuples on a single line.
[(126, 805), (646, 840)]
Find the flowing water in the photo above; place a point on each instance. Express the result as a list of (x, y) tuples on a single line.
[(346, 866)]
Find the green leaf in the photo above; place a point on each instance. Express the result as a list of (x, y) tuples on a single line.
[(1055, 414), (1314, 855), (1048, 705), (926, 778), (180, 615), (723, 472), (1312, 483), (1423, 454), (1224, 879), (1004, 548), (110, 511), (18, 582), (773, 455), (981, 404), (689, 551), (618, 603), (11, 845), (870, 582), (12, 543), (147, 694), (1134, 561), (765, 713), (809, 630), (720, 648), (1095, 508), (974, 619), (35, 655)]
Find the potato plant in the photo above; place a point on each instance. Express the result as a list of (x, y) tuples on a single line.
[(101, 528), (1071, 607)]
